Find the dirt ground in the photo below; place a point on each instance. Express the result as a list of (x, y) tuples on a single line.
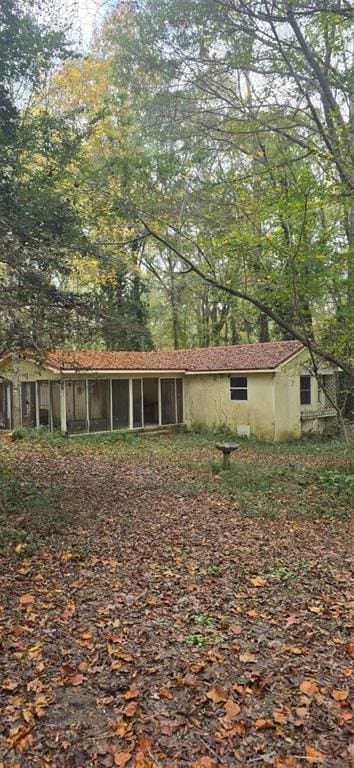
[(171, 621)]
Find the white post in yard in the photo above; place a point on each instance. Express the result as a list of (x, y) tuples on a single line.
[(63, 425)]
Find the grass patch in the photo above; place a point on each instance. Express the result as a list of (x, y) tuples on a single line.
[(31, 510)]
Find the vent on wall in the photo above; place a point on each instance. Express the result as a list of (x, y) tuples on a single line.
[(243, 430)]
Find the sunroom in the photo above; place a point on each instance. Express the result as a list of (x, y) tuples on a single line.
[(82, 405)]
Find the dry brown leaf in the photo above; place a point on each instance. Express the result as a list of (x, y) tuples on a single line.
[(349, 647), (217, 694), (232, 710), (27, 599), (247, 658), (130, 709), (122, 758), (67, 556), (309, 687), (133, 693), (257, 581), (313, 755), (340, 695), (8, 684), (293, 649), (27, 714), (205, 762), (262, 725), (279, 717), (165, 693)]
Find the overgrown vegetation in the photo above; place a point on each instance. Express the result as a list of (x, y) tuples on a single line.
[(301, 479), (147, 591)]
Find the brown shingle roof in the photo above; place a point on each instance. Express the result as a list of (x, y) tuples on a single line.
[(244, 357)]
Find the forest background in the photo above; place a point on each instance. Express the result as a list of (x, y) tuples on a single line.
[(187, 180)]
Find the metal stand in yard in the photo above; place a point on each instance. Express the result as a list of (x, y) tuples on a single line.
[(227, 449)]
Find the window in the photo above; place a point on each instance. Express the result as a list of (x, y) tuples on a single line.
[(238, 388), (305, 390)]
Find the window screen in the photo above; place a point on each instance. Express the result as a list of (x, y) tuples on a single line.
[(238, 388), (305, 390)]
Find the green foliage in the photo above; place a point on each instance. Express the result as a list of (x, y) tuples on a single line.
[(341, 483), (31, 510)]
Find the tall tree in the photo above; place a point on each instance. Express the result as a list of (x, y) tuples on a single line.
[(38, 223), (250, 104)]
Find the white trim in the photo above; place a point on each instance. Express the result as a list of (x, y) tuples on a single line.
[(142, 403), (63, 424), (176, 413), (288, 359), (136, 373), (8, 405), (159, 403), (87, 405), (131, 410), (234, 372), (36, 398), (110, 406)]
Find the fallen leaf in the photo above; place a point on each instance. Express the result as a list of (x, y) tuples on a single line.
[(122, 758), (133, 693), (309, 687), (279, 717), (8, 684), (293, 649), (67, 556), (313, 755), (165, 693), (247, 658), (217, 694), (262, 725), (257, 581), (205, 762), (340, 695), (27, 714), (130, 709), (232, 710), (27, 599)]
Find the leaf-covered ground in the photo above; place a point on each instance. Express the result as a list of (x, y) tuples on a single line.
[(179, 616)]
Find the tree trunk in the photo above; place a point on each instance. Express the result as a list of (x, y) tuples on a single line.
[(263, 322)]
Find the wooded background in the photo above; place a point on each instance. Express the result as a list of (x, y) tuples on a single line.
[(187, 181)]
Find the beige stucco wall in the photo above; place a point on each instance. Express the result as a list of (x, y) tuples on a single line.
[(286, 405), (208, 403), (272, 410)]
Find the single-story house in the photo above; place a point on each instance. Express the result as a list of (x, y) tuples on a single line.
[(267, 390)]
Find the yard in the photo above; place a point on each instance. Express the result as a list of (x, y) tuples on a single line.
[(157, 612)]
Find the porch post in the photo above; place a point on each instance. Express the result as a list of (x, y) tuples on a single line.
[(50, 407), (36, 390), (159, 400), (176, 409), (8, 406), (87, 405), (63, 425), (110, 405), (130, 403)]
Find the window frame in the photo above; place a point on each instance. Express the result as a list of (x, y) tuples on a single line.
[(239, 389), (305, 390)]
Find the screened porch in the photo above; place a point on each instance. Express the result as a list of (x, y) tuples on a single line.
[(77, 406)]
